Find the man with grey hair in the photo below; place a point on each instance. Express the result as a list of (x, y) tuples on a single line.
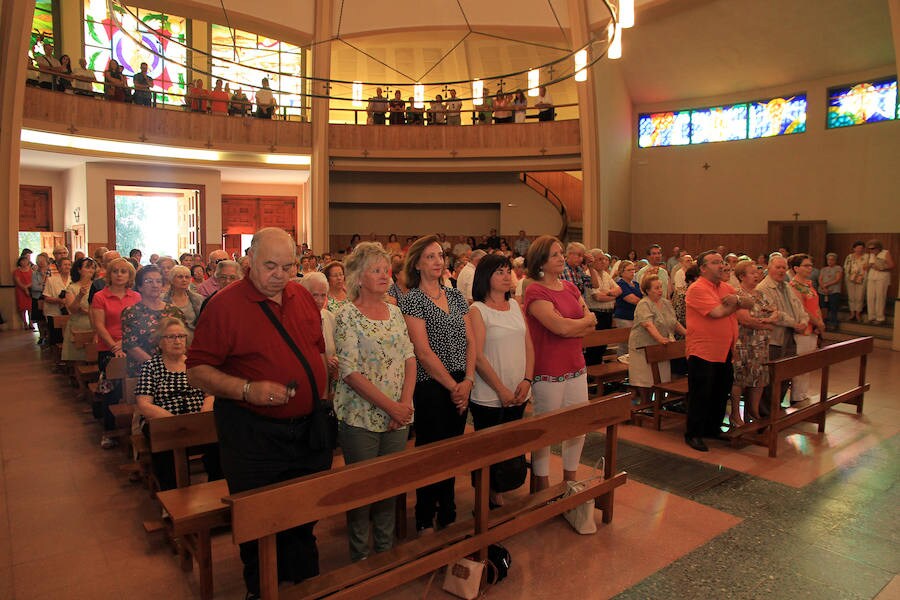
[(226, 273), (266, 388), (791, 318), (578, 269), (210, 286), (467, 275)]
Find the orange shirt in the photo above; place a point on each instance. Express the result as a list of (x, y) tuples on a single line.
[(709, 338)]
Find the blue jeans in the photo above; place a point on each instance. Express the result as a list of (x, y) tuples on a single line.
[(832, 301)]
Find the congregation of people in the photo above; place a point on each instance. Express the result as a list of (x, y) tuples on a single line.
[(49, 72), (407, 340)]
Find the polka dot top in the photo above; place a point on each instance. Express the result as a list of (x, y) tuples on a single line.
[(446, 330)]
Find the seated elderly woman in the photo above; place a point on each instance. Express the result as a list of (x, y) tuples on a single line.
[(654, 323), (317, 284), (163, 391)]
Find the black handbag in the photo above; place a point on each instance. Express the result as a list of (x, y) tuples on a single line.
[(322, 430), (509, 474)]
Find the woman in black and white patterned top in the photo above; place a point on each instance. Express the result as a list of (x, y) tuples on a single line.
[(163, 391), (437, 318)]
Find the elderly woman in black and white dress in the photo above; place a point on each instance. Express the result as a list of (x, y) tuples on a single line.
[(439, 325), (163, 391)]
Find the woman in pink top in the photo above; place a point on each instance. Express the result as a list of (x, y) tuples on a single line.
[(106, 314), (557, 320), (801, 266)]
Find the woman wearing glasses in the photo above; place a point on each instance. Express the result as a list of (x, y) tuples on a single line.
[(163, 391), (141, 320)]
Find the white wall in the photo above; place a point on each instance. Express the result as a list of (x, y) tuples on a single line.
[(847, 176)]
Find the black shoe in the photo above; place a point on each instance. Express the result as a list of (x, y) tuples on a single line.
[(696, 443), (251, 596)]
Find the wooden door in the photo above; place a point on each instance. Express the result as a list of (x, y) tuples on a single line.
[(52, 239), (35, 208), (75, 239), (800, 236), (247, 214)]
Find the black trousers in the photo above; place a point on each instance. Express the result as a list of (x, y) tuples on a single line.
[(257, 451), (101, 409), (489, 416), (594, 356), (436, 419), (709, 386), (788, 348), (164, 463)]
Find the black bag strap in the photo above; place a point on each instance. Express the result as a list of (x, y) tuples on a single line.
[(293, 346)]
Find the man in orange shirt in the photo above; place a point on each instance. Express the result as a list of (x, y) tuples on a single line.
[(711, 332)]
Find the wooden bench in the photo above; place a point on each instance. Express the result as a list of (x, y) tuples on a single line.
[(607, 371), (765, 432), (178, 433), (662, 393), (260, 514)]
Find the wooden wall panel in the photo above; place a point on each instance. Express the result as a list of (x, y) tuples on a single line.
[(35, 208), (568, 188)]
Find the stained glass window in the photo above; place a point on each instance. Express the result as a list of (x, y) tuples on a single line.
[(778, 116), (134, 36), (664, 129), (243, 59), (866, 102), (41, 27), (719, 124)]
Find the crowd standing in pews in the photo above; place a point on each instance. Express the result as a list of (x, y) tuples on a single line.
[(418, 336)]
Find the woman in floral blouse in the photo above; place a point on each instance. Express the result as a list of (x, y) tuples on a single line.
[(801, 266), (140, 321), (374, 395)]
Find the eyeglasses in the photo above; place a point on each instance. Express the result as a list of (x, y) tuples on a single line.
[(871, 248), (174, 337), (153, 282)]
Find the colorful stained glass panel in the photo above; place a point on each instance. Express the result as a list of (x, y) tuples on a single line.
[(778, 116), (41, 27), (719, 124), (867, 102), (664, 129)]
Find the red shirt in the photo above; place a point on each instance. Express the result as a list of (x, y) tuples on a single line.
[(218, 101), (709, 338), (236, 337), (112, 307), (555, 356)]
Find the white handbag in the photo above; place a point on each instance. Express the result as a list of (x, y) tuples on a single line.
[(581, 518)]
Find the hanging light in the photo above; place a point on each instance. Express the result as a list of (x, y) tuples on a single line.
[(357, 94), (534, 82), (581, 65), (477, 92), (615, 46), (626, 13), (419, 95)]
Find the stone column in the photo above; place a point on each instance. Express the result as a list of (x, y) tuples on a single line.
[(317, 207), (15, 31), (587, 116)]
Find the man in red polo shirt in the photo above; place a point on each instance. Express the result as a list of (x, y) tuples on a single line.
[(263, 394), (711, 332)]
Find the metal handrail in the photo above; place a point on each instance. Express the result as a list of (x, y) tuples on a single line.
[(552, 198)]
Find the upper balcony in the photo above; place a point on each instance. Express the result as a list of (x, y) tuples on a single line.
[(504, 147)]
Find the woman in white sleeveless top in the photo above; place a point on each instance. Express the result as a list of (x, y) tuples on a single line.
[(505, 357)]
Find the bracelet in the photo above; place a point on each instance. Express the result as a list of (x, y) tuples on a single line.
[(530, 381), (246, 391), (469, 378)]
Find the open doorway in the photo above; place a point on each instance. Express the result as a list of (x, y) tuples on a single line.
[(157, 218)]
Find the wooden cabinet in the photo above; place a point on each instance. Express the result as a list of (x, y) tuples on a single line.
[(35, 208)]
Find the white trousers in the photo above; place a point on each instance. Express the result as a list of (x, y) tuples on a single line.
[(800, 384), (876, 297), (856, 295), (549, 396)]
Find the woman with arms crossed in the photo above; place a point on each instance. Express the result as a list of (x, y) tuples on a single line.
[(557, 320)]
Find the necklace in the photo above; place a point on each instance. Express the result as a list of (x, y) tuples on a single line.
[(435, 297)]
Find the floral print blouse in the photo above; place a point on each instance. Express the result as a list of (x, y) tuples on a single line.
[(139, 322), (376, 349)]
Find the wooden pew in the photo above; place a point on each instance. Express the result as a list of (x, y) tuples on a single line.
[(611, 370), (662, 393), (782, 370), (87, 372), (260, 514), (178, 433)]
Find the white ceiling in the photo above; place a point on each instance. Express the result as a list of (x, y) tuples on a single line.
[(679, 49)]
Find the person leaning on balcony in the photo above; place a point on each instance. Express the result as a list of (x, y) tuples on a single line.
[(487, 104), (142, 83), (414, 114), (196, 97), (239, 104), (520, 102), (48, 65), (265, 101), (454, 106), (503, 108), (545, 104), (437, 111), (83, 79), (218, 99), (397, 108), (114, 82)]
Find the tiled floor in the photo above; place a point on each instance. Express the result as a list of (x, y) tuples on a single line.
[(819, 521)]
